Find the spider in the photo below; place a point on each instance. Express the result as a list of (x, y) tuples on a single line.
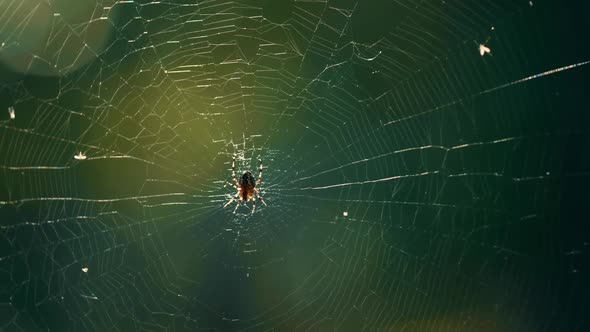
[(246, 187)]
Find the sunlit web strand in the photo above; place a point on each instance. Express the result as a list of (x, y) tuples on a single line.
[(522, 80), (532, 77), (390, 178)]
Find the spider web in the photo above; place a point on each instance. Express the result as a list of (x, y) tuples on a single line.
[(412, 183)]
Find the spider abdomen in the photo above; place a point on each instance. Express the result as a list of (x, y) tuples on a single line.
[(247, 184)]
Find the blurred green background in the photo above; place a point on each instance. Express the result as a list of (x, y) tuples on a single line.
[(411, 183)]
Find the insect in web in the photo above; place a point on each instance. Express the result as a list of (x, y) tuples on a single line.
[(246, 187), (483, 49)]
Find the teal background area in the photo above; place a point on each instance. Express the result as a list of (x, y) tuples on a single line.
[(411, 183)]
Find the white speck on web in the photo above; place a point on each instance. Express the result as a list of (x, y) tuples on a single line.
[(11, 112), (85, 269), (483, 49), (80, 156), (345, 213), (90, 297)]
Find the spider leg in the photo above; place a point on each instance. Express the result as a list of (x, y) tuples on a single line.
[(233, 171), (232, 185), (231, 200), (237, 205), (253, 206), (259, 198), (259, 172)]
